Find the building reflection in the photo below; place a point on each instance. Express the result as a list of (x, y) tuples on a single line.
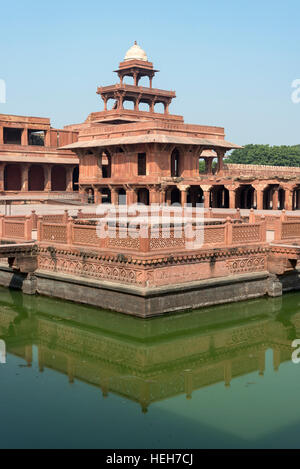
[(148, 361)]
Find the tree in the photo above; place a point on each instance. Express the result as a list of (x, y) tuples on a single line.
[(266, 155)]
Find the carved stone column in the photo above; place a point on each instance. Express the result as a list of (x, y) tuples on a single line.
[(275, 199), (289, 199), (184, 194), (206, 195), (221, 154), (114, 196), (25, 170), (69, 179), (259, 198)]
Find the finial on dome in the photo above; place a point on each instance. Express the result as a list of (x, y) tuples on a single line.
[(136, 53)]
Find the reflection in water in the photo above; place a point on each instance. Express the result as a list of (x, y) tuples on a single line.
[(153, 360), (81, 377)]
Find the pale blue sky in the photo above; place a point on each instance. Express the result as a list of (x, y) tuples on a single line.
[(231, 62)]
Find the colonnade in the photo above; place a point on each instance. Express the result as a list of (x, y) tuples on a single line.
[(243, 196), (36, 177)]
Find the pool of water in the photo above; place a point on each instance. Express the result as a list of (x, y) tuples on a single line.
[(78, 377)]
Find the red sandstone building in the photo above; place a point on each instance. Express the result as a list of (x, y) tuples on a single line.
[(30, 162), (136, 151)]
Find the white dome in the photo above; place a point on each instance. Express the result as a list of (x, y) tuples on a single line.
[(136, 53)]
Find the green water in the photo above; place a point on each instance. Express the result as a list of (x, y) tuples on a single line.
[(77, 377)]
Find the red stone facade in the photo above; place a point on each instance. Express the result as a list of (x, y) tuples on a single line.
[(30, 161), (130, 155)]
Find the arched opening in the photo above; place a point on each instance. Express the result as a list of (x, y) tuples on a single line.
[(106, 165), (143, 196), (106, 196), (128, 80), (58, 178), (122, 200), (175, 163), (111, 104), (219, 197), (273, 197), (159, 108), (175, 196), (144, 81), (245, 197), (36, 178), (76, 179), (129, 105), (145, 107), (195, 196), (268, 198), (12, 177)]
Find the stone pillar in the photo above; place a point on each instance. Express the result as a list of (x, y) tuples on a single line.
[(47, 172), (105, 100), (131, 197), (69, 179), (184, 194), (162, 196), (25, 170), (288, 199), (260, 199), (98, 196), (275, 199), (154, 196), (220, 154), (114, 196), (231, 198), (206, 195), (2, 167), (24, 137), (48, 138), (1, 136)]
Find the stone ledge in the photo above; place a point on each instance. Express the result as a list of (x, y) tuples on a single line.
[(155, 291)]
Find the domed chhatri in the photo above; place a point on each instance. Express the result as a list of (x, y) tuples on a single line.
[(136, 53)]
